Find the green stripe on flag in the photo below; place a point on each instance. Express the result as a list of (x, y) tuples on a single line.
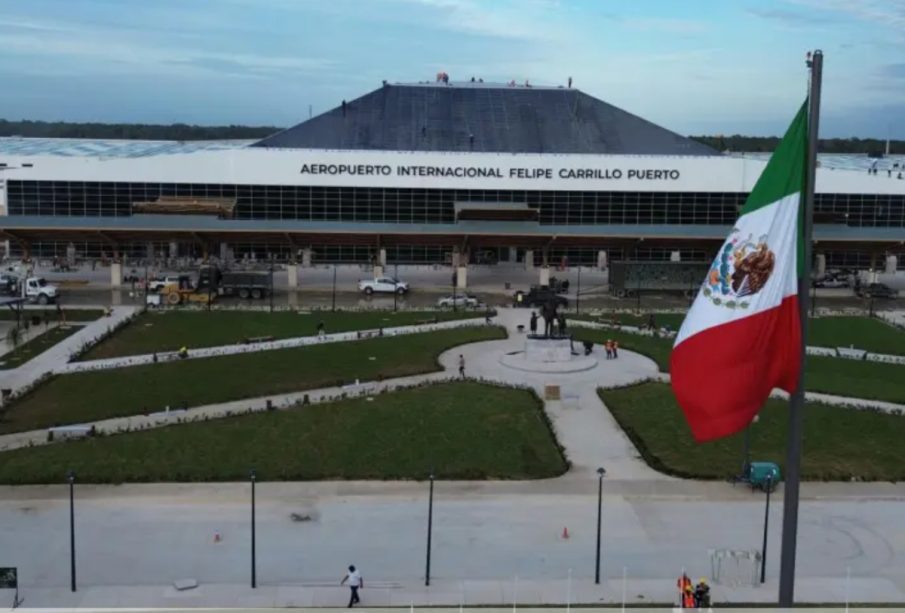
[(785, 174)]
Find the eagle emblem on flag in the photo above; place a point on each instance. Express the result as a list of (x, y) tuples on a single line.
[(741, 269)]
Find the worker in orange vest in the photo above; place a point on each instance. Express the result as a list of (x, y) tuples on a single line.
[(684, 586)]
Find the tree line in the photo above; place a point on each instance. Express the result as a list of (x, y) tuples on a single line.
[(181, 131), (767, 144), (131, 131)]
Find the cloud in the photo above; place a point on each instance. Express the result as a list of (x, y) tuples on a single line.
[(792, 18), (889, 13), (107, 50), (669, 26)]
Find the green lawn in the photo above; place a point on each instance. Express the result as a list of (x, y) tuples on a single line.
[(39, 344), (463, 430), (874, 335), (839, 376), (839, 443), (51, 313), (90, 396), (168, 331), (671, 320)]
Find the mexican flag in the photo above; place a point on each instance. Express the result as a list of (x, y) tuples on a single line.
[(742, 336)]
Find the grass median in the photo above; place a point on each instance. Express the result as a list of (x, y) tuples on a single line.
[(464, 430), (91, 396), (837, 376), (168, 331), (39, 344), (866, 333), (839, 443)]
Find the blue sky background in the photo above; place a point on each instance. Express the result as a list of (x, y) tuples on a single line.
[(695, 66)]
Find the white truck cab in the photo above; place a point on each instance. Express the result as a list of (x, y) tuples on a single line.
[(37, 289)]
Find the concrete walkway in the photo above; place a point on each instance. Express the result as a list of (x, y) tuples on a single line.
[(56, 357), (284, 343)]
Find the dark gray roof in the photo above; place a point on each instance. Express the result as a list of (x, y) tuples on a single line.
[(483, 117)]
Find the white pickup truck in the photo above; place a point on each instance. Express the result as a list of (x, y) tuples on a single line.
[(383, 285)]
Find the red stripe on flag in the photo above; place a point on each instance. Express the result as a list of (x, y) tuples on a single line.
[(723, 375)]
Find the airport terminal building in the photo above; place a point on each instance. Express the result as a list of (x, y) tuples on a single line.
[(423, 173)]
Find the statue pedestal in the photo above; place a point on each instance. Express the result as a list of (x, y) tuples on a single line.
[(551, 355), (546, 349)]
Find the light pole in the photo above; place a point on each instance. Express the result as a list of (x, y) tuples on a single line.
[(763, 554), (455, 282), (430, 526), (395, 293), (600, 473), (333, 307), (578, 292), (70, 476), (252, 475), (271, 282), (746, 461)]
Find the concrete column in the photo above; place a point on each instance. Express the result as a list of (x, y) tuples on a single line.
[(544, 275), (306, 257), (462, 277), (224, 252), (116, 274), (174, 250), (892, 262), (70, 254), (378, 271), (529, 259), (601, 260), (292, 270), (382, 257), (513, 254), (149, 251), (820, 264), (456, 257)]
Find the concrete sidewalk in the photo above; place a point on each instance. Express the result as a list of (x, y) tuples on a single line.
[(57, 356), (510, 595)]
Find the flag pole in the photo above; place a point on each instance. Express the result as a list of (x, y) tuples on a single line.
[(796, 402)]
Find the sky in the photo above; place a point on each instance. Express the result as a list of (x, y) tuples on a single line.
[(694, 66)]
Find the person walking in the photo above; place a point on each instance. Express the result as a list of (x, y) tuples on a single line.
[(532, 324), (461, 366), (355, 584), (615, 350), (609, 349), (321, 329)]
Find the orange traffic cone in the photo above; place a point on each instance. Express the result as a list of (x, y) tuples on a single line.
[(565, 532), (217, 537)]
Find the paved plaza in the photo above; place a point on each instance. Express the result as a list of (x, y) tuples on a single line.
[(494, 542)]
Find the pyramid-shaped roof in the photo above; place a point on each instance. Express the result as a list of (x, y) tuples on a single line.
[(486, 118)]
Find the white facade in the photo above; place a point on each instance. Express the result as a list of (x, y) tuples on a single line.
[(258, 166)]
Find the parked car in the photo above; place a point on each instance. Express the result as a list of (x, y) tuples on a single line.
[(537, 296), (832, 282), (459, 300), (383, 285), (876, 290)]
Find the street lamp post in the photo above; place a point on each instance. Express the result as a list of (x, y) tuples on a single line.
[(395, 293), (578, 292), (746, 461), (70, 476), (600, 473), (333, 307), (430, 526), (271, 283), (763, 551), (252, 475)]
